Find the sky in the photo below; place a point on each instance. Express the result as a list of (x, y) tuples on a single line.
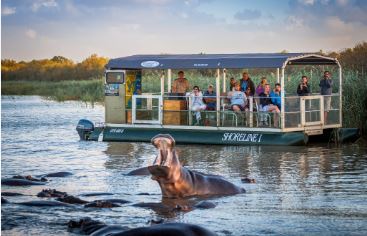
[(38, 29)]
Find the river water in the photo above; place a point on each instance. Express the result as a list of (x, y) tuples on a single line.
[(313, 190)]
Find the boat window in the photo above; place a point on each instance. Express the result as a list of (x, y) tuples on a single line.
[(115, 77)]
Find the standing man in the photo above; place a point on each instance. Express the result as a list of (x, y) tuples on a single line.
[(326, 89), (247, 82), (181, 84), (303, 89)]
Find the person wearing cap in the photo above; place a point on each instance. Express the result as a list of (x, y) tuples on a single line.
[(181, 84), (210, 98)]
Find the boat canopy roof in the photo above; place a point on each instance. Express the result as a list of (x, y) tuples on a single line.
[(223, 61)]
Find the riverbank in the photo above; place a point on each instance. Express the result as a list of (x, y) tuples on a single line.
[(81, 90)]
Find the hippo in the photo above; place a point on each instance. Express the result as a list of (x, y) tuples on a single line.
[(248, 180), (31, 178), (96, 228), (93, 227), (71, 200), (11, 194), (176, 181), (20, 182), (51, 193), (95, 194), (174, 229), (58, 174), (45, 204), (139, 171), (102, 204)]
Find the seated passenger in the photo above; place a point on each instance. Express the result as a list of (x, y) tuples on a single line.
[(261, 86), (238, 99), (267, 105), (275, 95), (248, 95), (210, 98), (197, 103), (232, 83), (303, 89)]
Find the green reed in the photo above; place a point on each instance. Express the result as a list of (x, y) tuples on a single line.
[(84, 90)]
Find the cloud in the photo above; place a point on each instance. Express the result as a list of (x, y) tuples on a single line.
[(6, 11), (293, 22), (247, 14), (316, 11), (30, 33), (306, 2), (43, 3)]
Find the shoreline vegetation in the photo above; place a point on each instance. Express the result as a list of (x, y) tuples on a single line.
[(62, 79)]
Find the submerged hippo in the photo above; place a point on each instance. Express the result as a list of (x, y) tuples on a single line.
[(51, 193), (20, 182), (177, 229), (94, 228), (177, 181)]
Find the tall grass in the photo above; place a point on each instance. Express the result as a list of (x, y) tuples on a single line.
[(84, 90)]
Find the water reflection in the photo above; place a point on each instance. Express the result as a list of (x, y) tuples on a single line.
[(299, 190)]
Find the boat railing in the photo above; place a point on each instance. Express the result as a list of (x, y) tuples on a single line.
[(299, 112)]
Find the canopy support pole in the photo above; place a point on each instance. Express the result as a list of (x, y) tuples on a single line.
[(169, 74), (340, 95), (282, 101), (278, 76), (162, 83), (217, 87), (224, 80)]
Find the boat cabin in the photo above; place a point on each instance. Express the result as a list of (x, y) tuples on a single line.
[(139, 98)]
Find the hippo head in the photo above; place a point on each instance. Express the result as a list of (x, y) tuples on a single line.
[(166, 162)]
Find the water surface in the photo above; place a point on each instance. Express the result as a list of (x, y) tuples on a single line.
[(313, 190)]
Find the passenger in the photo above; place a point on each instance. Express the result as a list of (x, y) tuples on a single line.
[(267, 105), (276, 96), (238, 99), (197, 103), (261, 86), (247, 82), (210, 98), (248, 96), (180, 85), (326, 84), (232, 84), (303, 89)]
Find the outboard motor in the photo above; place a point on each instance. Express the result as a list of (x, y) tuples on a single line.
[(84, 128)]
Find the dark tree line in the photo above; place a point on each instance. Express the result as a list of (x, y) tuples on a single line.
[(57, 68)]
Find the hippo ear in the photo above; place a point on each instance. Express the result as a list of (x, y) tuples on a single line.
[(173, 140)]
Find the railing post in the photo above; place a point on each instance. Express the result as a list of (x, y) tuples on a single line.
[(282, 124), (169, 75), (251, 111), (340, 96), (224, 80), (217, 87)]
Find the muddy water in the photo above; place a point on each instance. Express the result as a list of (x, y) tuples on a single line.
[(313, 190)]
